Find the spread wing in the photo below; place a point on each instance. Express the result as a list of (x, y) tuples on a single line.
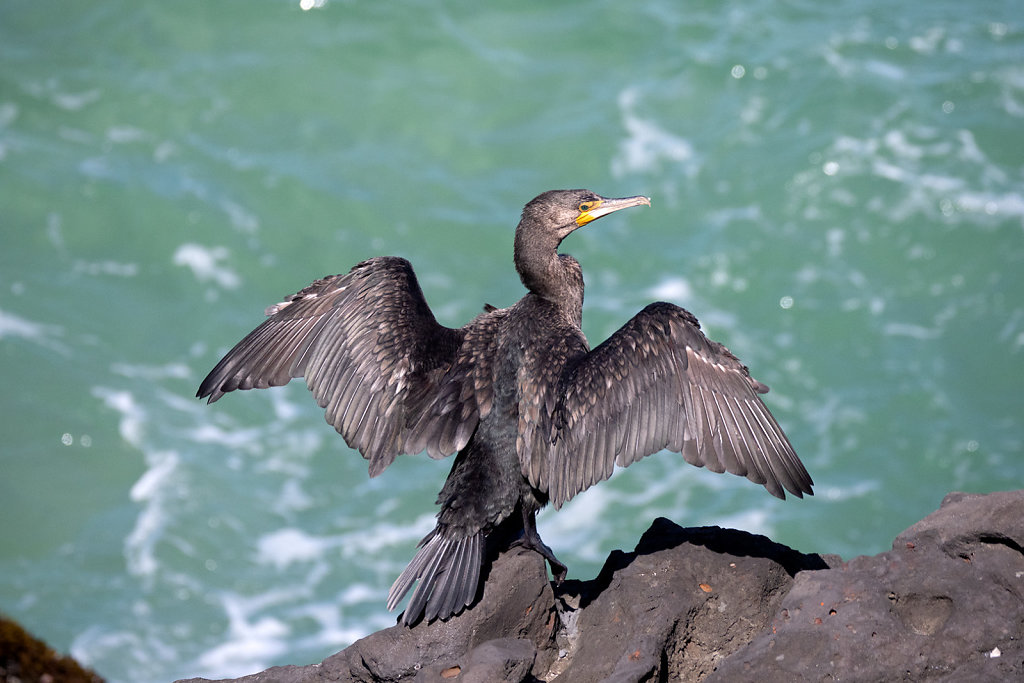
[(386, 372), (657, 383)]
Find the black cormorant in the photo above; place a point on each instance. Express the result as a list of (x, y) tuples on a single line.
[(531, 412)]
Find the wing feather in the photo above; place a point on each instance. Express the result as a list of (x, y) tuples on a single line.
[(389, 377), (659, 382)]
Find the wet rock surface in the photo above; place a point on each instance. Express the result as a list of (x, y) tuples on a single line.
[(946, 603)]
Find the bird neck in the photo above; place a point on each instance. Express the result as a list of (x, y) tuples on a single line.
[(549, 275)]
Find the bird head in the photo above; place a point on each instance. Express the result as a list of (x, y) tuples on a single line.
[(562, 211)]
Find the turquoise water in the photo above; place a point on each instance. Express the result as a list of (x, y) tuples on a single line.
[(836, 193)]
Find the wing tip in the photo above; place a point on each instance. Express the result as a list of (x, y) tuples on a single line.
[(799, 485), (209, 390)]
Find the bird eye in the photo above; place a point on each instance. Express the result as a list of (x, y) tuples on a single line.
[(586, 206)]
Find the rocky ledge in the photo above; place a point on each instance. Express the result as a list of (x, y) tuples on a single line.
[(710, 604)]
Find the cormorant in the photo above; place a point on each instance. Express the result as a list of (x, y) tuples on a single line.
[(531, 412)]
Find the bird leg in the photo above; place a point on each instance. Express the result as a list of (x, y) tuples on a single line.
[(531, 539)]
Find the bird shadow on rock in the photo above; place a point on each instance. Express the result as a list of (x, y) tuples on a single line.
[(665, 535), (675, 606)]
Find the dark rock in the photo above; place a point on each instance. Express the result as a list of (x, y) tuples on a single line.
[(504, 659), (945, 604), (677, 605)]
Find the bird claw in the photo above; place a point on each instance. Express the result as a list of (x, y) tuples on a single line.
[(533, 542), (558, 570)]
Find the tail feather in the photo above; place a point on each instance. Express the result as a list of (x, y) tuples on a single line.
[(447, 571), (447, 586)]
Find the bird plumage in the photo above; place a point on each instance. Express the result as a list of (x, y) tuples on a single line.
[(532, 414)]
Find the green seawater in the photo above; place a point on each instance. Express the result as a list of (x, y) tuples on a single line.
[(836, 193)]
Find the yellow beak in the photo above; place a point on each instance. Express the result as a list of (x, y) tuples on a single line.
[(605, 206)]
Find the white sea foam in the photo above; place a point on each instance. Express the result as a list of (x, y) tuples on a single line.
[(672, 289), (754, 520), (289, 454), (1011, 95), (205, 263), (97, 642), (856, 490), (150, 483), (253, 640), (286, 409), (912, 331), (151, 491), (356, 593), (385, 535), (647, 145), (8, 114), (230, 438), (240, 218), (572, 527), (915, 158), (12, 325), (152, 372), (133, 416), (74, 101), (157, 491), (330, 632), (114, 268), (285, 546), (885, 70), (292, 499), (929, 42), (124, 134), (1012, 331)]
